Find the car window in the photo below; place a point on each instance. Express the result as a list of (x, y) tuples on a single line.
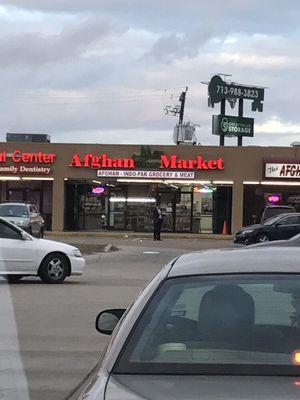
[(272, 220), (7, 232), (290, 220), (13, 210), (271, 212), (193, 322)]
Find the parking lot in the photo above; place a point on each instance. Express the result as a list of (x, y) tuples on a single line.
[(58, 343)]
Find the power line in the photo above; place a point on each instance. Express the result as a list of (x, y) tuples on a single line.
[(129, 93), (84, 103)]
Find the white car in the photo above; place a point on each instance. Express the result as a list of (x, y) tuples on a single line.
[(23, 255)]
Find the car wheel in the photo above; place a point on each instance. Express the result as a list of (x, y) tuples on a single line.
[(262, 238), (13, 278), (54, 268)]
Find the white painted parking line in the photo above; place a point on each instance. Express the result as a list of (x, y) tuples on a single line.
[(151, 252)]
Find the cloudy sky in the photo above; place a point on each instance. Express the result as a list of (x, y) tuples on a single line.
[(103, 70)]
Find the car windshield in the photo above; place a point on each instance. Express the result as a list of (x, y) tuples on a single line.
[(218, 324), (271, 212), (13, 210)]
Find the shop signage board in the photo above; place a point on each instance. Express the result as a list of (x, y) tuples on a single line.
[(20, 162), (25, 169), (18, 156), (150, 174), (171, 161), (229, 125), (219, 90), (282, 170)]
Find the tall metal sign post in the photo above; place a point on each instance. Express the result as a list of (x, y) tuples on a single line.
[(227, 125)]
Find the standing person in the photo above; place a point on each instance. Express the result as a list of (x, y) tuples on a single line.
[(157, 222)]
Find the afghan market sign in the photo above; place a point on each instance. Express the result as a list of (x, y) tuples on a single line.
[(169, 162), (282, 170), (230, 126), (150, 174)]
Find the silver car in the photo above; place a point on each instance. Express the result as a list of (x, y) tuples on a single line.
[(220, 324), (24, 215), (293, 241)]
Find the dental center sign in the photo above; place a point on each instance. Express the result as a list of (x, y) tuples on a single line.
[(22, 162)]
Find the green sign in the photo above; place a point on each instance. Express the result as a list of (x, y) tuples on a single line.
[(228, 125), (219, 90)]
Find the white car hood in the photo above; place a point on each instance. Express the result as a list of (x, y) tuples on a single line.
[(51, 245)]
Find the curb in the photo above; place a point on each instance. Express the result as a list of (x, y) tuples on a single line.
[(124, 234)]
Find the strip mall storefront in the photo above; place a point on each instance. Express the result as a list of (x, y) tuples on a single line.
[(115, 187)]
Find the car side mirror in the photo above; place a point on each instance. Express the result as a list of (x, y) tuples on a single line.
[(34, 214), (107, 320), (25, 236)]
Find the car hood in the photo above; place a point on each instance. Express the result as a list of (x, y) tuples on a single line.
[(16, 220), (256, 226), (51, 245), (150, 387)]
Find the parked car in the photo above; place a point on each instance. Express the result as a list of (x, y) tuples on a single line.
[(205, 324), (23, 255), (281, 227), (271, 211), (25, 216), (294, 241)]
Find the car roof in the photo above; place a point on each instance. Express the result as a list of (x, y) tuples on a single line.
[(15, 203), (286, 214), (279, 206), (238, 261)]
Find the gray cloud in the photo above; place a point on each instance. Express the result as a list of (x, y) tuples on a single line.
[(37, 48), (71, 48)]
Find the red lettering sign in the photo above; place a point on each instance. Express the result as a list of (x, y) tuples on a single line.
[(27, 158), (173, 162), (103, 161), (90, 160)]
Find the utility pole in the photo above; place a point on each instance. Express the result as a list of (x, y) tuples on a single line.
[(181, 112)]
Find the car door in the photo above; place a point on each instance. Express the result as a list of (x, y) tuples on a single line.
[(298, 225), (16, 254), (287, 227)]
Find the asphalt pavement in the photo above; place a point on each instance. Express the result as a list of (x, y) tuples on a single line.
[(48, 339)]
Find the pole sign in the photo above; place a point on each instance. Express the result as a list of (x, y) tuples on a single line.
[(219, 90), (230, 126)]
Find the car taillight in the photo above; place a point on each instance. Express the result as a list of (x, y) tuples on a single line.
[(296, 357)]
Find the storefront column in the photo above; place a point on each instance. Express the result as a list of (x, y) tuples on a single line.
[(58, 204), (3, 191), (237, 206)]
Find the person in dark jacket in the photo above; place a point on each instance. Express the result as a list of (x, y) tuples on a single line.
[(157, 222)]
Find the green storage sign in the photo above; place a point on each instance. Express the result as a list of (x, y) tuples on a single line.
[(228, 125)]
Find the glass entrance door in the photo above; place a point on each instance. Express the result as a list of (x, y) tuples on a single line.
[(177, 210), (167, 205), (183, 212)]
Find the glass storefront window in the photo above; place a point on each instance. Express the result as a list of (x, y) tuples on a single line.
[(202, 209)]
